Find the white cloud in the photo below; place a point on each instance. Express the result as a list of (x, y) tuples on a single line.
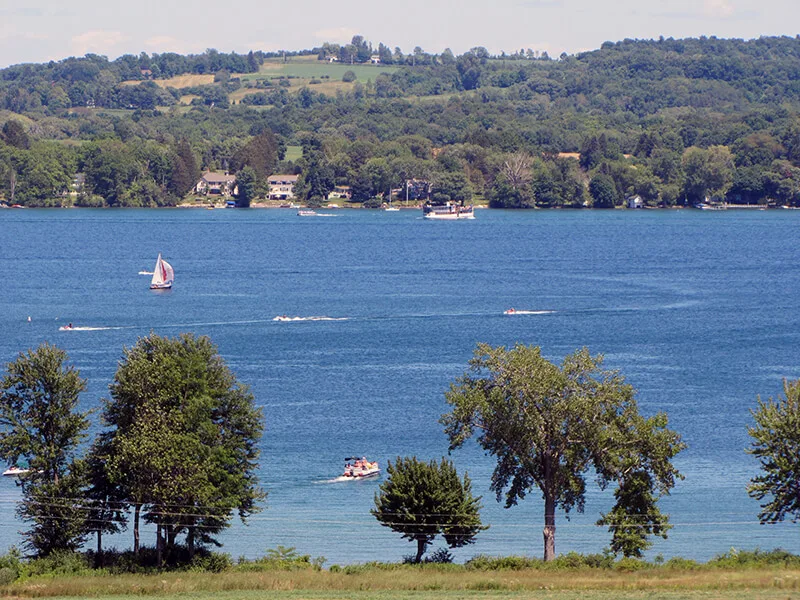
[(717, 8), (335, 34), (98, 41)]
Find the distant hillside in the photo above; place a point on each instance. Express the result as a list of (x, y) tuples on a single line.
[(670, 121)]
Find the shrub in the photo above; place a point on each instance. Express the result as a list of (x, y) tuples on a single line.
[(282, 558), (349, 76), (684, 564), (481, 562), (755, 558), (10, 566), (628, 565), (61, 562), (214, 562), (440, 556)]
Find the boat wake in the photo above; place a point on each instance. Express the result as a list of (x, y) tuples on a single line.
[(145, 272), (528, 312), (287, 319), (68, 328)]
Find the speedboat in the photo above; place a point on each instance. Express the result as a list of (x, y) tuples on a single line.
[(360, 468), (306, 213), (15, 471), (510, 311)]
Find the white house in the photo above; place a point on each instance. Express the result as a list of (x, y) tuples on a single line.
[(281, 187), (216, 184), (634, 202)]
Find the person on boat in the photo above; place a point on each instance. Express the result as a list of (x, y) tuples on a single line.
[(69, 326)]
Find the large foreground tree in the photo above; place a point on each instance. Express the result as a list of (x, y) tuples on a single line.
[(183, 440), (41, 428), (548, 426), (776, 444), (422, 500)]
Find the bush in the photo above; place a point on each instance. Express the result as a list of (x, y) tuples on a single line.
[(282, 558), (440, 556), (214, 562), (61, 562), (628, 565), (684, 564), (755, 558), (481, 562), (349, 76), (10, 566), (374, 202)]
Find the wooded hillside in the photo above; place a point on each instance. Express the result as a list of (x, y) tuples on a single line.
[(672, 121)]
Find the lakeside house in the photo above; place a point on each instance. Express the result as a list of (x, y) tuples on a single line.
[(634, 202), (216, 184), (340, 192), (281, 187)]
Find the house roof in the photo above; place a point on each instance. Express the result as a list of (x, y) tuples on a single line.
[(282, 178), (218, 178)]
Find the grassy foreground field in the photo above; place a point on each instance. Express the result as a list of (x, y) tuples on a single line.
[(427, 583)]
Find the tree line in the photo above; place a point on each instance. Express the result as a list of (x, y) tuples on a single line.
[(180, 443), (671, 121), (179, 448)]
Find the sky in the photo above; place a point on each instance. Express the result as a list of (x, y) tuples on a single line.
[(43, 30)]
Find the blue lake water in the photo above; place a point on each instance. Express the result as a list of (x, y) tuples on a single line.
[(698, 310)]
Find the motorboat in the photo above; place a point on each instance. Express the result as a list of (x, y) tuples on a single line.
[(510, 311), (360, 468), (306, 213), (451, 211), (15, 471), (68, 327)]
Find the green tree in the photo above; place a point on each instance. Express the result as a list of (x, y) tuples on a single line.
[(41, 428), (548, 425), (14, 134), (422, 500), (260, 153), (708, 172), (183, 439), (776, 444), (603, 191), (185, 172), (247, 186)]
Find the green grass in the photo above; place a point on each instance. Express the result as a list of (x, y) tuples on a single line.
[(428, 582), (477, 595), (311, 68), (293, 152)]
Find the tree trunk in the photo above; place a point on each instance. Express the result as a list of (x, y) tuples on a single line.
[(159, 545), (549, 527), (98, 559), (190, 540), (136, 511), (421, 545)]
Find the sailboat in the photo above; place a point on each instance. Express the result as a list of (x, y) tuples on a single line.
[(163, 275)]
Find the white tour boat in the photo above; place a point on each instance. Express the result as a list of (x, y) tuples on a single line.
[(451, 211)]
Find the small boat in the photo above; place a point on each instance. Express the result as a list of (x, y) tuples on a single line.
[(390, 208), (451, 211), (15, 471), (68, 327), (306, 213), (163, 275), (360, 468), (510, 311)]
